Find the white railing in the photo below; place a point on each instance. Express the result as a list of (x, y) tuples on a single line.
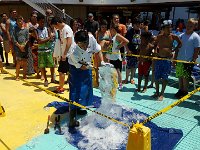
[(42, 5)]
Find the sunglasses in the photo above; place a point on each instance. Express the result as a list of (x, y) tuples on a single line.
[(167, 22)]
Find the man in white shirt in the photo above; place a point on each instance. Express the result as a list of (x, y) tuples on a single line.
[(67, 40), (80, 70)]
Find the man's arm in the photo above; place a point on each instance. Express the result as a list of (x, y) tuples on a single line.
[(176, 49), (1, 39), (195, 55), (68, 45), (8, 30), (3, 28)]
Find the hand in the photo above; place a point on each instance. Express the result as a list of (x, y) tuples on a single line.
[(21, 47), (89, 67), (63, 58), (103, 63), (174, 63)]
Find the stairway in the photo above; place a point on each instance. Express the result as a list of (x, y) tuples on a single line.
[(42, 5)]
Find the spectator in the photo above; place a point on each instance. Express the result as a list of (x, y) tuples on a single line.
[(188, 52), (91, 25)]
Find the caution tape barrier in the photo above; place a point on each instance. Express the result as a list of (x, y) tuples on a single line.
[(164, 110), (152, 58)]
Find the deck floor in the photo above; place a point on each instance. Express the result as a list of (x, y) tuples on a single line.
[(25, 120)]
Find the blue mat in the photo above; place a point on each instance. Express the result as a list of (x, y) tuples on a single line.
[(161, 138)]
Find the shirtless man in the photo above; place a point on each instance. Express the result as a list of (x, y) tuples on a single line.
[(164, 43), (10, 26), (144, 63), (6, 44)]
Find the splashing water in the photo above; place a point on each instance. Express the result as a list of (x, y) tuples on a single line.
[(98, 133)]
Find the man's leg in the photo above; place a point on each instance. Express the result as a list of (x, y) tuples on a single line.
[(132, 75), (61, 80), (164, 84), (139, 83), (127, 75)]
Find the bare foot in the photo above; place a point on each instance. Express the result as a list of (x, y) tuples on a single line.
[(17, 79), (160, 98), (42, 78), (144, 90), (155, 96), (132, 81)]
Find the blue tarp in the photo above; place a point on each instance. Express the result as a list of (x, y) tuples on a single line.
[(161, 138)]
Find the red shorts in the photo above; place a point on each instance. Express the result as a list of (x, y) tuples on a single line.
[(144, 68)]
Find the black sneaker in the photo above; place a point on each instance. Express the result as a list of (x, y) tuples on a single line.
[(81, 112), (178, 94)]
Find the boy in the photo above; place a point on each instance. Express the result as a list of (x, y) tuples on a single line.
[(80, 73), (45, 55), (67, 39), (144, 63), (133, 35), (188, 52), (163, 67), (20, 40)]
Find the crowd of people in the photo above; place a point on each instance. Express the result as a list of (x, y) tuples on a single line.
[(48, 42)]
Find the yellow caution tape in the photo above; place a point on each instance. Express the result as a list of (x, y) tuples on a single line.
[(153, 58), (164, 110), (70, 101), (103, 115)]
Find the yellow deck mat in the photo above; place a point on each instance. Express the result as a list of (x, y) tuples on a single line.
[(25, 117)]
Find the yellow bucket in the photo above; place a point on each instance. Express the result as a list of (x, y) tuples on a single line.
[(139, 138)]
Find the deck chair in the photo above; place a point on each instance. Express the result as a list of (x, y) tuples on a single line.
[(196, 75)]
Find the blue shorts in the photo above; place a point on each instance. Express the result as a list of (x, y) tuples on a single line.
[(131, 62), (162, 69)]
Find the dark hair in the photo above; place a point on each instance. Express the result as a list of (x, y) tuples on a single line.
[(20, 18), (11, 10), (81, 36), (56, 20), (103, 23), (31, 29), (3, 14), (114, 15), (40, 17), (115, 26), (147, 35), (146, 22), (72, 22), (34, 12)]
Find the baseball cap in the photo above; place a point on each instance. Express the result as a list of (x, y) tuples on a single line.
[(90, 15)]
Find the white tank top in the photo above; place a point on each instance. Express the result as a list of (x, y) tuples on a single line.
[(115, 50)]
